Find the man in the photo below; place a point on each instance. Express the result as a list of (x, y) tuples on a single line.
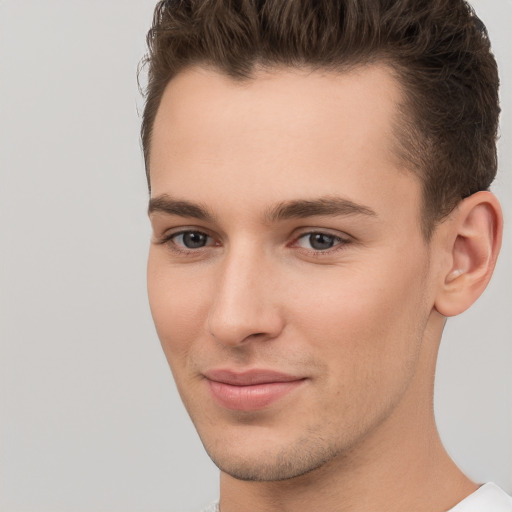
[(319, 175)]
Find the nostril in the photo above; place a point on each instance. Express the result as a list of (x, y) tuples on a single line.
[(239, 339)]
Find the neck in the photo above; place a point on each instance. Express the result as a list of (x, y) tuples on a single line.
[(416, 474), (400, 466)]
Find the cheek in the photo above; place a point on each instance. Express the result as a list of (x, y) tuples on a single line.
[(367, 333), (179, 303), (367, 319)]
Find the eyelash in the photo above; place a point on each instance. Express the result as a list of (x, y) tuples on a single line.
[(339, 242), (180, 249)]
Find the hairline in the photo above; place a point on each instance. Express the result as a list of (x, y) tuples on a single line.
[(405, 133)]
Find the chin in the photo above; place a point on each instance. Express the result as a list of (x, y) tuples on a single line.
[(271, 464)]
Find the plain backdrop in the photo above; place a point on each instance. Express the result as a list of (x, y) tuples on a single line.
[(89, 416)]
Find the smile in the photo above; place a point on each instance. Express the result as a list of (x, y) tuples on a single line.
[(250, 391)]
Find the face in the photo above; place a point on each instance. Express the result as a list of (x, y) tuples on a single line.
[(288, 275)]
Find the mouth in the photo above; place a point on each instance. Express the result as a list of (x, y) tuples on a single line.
[(250, 390)]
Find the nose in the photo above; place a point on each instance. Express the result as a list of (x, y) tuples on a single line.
[(245, 305)]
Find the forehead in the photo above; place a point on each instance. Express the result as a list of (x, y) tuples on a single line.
[(284, 133)]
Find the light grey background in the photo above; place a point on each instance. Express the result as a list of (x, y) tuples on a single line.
[(89, 416)]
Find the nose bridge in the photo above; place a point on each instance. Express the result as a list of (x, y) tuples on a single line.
[(244, 303)]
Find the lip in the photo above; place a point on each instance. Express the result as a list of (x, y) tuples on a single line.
[(250, 390)]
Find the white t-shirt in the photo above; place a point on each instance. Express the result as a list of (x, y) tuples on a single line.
[(487, 498)]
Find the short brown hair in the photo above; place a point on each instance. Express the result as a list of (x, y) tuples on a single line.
[(438, 49)]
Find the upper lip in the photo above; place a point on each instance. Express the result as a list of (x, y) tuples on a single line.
[(249, 377)]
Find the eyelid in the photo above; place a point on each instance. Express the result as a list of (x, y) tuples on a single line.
[(342, 235), (167, 234)]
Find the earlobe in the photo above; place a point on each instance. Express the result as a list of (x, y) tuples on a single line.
[(474, 240)]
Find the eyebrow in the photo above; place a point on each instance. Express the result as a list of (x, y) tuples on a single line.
[(331, 206), (294, 209), (168, 205)]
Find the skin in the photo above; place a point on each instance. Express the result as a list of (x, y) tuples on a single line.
[(359, 322)]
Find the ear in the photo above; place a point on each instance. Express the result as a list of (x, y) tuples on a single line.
[(473, 239)]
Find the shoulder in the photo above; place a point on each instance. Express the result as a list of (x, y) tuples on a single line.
[(489, 498)]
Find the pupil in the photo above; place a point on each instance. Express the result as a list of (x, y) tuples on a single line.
[(321, 241), (193, 240)]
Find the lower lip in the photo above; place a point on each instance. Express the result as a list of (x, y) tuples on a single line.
[(250, 398)]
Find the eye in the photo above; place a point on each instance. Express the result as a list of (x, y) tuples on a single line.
[(319, 241), (191, 239)]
